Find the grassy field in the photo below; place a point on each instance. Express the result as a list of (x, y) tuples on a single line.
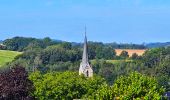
[(118, 61), (113, 61), (7, 56)]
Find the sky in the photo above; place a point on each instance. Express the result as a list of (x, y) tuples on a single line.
[(121, 21)]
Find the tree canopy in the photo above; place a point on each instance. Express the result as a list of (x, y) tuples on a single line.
[(137, 86), (66, 85), (15, 85)]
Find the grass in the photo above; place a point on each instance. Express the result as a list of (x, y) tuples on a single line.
[(7, 56), (118, 61), (114, 61)]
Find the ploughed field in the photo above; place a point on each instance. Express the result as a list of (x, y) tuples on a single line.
[(7, 56)]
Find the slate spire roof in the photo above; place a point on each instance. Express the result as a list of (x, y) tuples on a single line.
[(85, 67), (85, 50)]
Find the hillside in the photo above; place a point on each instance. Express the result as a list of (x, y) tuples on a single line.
[(7, 56), (157, 45)]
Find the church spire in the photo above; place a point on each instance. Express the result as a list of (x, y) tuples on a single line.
[(85, 53), (85, 67)]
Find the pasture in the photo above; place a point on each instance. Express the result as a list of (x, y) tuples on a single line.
[(7, 56)]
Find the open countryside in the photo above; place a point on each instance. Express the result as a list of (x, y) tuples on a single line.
[(61, 65), (84, 50)]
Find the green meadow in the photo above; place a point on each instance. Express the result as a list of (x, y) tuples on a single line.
[(113, 61), (118, 61), (7, 56)]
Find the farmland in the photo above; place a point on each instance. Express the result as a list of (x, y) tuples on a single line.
[(7, 56), (139, 52)]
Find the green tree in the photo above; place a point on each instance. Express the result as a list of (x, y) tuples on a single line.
[(137, 86), (66, 45), (103, 93), (66, 85), (47, 41), (105, 53), (124, 54), (134, 56)]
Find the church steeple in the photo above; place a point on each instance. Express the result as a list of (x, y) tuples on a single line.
[(85, 53), (85, 67)]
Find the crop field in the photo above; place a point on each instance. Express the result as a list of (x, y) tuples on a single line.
[(131, 51), (7, 56)]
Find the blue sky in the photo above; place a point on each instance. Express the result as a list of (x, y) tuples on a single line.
[(122, 21)]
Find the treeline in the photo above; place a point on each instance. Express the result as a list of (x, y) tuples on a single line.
[(158, 45), (16, 85), (126, 46), (21, 43), (96, 50)]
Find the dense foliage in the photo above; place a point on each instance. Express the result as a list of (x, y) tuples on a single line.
[(157, 63), (66, 85), (137, 86), (69, 85), (20, 43), (15, 85)]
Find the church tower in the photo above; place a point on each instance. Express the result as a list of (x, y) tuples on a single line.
[(85, 67)]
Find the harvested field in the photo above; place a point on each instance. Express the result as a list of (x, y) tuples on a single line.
[(140, 52)]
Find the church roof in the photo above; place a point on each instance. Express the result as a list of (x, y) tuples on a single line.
[(85, 50)]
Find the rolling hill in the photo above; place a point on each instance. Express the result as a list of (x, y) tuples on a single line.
[(7, 56)]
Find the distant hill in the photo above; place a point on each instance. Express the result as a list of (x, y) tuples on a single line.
[(157, 45), (19, 43), (55, 40)]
